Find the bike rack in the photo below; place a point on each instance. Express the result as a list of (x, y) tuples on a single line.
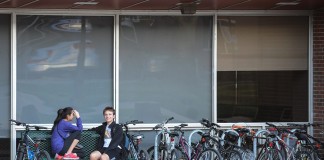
[(156, 145), (189, 142), (255, 140)]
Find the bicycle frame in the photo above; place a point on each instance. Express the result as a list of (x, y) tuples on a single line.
[(290, 150), (24, 149), (189, 142), (134, 148), (165, 140)]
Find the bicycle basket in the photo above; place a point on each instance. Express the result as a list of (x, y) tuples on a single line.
[(291, 140), (230, 136)]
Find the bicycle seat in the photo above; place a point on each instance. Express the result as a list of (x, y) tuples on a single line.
[(242, 130), (230, 136), (272, 135), (39, 139), (137, 136), (174, 134)]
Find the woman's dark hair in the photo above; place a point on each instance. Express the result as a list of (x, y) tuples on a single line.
[(62, 114)]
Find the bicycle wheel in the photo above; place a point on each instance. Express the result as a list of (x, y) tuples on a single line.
[(43, 155), (162, 154), (282, 149), (313, 152), (271, 154), (232, 155), (209, 154), (143, 155), (21, 153), (177, 154), (150, 152), (303, 155), (21, 156)]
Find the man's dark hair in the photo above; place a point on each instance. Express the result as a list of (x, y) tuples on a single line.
[(109, 108)]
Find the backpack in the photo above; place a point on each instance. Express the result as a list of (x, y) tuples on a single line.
[(124, 146)]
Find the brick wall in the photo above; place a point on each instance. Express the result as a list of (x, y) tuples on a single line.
[(318, 73)]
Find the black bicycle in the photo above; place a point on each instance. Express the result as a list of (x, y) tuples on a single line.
[(28, 148), (135, 153), (309, 143)]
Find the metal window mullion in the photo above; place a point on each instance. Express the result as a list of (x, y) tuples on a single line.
[(116, 66), (13, 105), (214, 70)]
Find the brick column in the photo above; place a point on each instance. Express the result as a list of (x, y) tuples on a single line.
[(318, 72)]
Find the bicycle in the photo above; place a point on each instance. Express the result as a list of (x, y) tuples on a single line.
[(224, 147), (134, 140), (280, 148), (309, 143), (25, 150), (182, 147), (162, 149), (245, 141)]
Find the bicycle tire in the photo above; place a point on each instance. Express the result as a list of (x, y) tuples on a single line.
[(271, 154), (150, 152), (21, 154), (231, 155), (43, 155), (304, 155), (162, 154), (282, 149), (209, 154), (314, 153), (143, 155), (130, 153), (177, 154)]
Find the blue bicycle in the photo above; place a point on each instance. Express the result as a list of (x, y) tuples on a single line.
[(25, 151)]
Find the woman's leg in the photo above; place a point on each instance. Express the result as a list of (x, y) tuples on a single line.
[(70, 142), (95, 155), (73, 144)]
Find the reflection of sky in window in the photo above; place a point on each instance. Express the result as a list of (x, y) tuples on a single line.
[(61, 55)]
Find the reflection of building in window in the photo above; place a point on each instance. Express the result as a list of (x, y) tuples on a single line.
[(62, 55), (71, 25), (230, 40)]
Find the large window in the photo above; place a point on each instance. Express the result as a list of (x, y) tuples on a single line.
[(262, 69), (5, 84), (165, 68), (64, 61)]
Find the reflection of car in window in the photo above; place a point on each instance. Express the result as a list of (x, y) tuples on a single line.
[(64, 54)]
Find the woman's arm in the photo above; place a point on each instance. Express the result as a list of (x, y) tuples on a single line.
[(69, 127)]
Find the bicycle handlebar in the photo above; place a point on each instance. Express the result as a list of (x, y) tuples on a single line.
[(169, 119), (161, 125), (17, 123), (305, 125), (133, 122), (279, 129), (208, 124)]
